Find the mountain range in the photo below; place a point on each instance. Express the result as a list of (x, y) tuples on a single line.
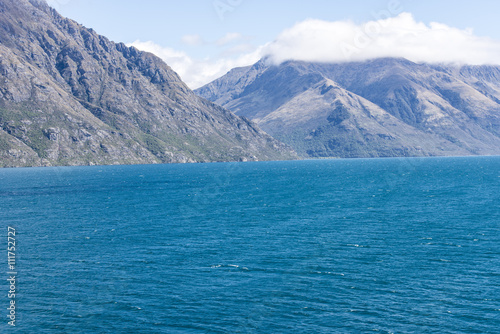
[(375, 108), (69, 96)]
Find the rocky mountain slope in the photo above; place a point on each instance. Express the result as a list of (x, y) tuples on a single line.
[(69, 96), (382, 107)]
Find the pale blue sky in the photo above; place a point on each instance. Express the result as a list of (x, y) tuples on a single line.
[(256, 22)]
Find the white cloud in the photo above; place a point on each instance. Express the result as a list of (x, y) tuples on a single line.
[(400, 36), (197, 72), (340, 41)]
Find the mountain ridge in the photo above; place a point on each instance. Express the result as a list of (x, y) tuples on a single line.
[(69, 96), (423, 109)]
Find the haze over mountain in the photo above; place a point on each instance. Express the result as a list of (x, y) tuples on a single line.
[(372, 108), (69, 96)]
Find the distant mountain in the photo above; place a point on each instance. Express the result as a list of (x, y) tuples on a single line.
[(378, 108), (69, 96)]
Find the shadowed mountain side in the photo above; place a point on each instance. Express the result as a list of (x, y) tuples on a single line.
[(69, 96)]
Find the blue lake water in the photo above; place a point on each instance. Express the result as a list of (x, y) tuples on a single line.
[(323, 246)]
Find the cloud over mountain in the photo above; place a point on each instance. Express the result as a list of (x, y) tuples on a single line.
[(399, 36)]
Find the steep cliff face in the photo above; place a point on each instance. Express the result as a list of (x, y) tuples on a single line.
[(383, 107), (69, 96)]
